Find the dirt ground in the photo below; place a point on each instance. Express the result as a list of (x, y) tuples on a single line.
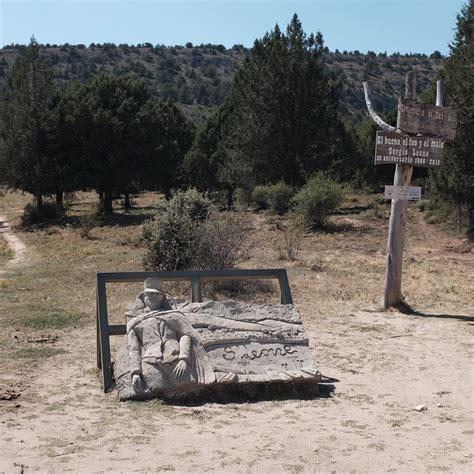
[(382, 364)]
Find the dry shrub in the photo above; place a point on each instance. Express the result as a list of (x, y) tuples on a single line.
[(251, 291), (86, 224), (288, 242), (5, 250), (222, 241), (69, 199), (378, 207)]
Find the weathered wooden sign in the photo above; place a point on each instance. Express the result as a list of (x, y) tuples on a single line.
[(417, 118), (392, 147), (403, 193), (424, 130)]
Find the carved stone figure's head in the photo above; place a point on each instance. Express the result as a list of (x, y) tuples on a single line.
[(152, 293)]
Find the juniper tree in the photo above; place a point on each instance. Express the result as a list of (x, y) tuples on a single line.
[(25, 158)]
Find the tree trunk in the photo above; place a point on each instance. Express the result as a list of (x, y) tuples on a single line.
[(460, 217), (230, 198), (470, 231), (126, 202), (59, 199), (39, 200), (108, 201)]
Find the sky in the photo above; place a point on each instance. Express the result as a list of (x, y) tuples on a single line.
[(418, 26)]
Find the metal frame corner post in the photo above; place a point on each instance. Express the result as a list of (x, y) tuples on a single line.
[(285, 291), (103, 326), (196, 294)]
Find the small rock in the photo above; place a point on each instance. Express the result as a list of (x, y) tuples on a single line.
[(420, 408), (439, 405)]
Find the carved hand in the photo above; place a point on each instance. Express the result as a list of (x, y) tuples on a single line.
[(137, 383), (180, 369)]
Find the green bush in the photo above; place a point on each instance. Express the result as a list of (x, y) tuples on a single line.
[(275, 196), (260, 197), (318, 198), (188, 233), (170, 238), (33, 215), (279, 196), (190, 203), (243, 197)]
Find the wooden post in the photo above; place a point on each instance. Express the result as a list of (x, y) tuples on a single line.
[(392, 294), (440, 86)]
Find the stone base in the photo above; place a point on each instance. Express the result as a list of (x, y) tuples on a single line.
[(248, 392)]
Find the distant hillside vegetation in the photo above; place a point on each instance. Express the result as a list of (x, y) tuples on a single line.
[(199, 77)]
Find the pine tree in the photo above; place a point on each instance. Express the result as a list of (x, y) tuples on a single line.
[(455, 179), (285, 106), (279, 122)]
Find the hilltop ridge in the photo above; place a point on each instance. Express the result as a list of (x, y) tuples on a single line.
[(199, 77)]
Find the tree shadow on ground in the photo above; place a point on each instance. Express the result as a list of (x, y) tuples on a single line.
[(256, 392), (344, 227), (344, 211), (104, 220), (124, 220), (409, 310)]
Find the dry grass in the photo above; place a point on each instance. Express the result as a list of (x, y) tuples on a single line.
[(338, 273), (337, 269), (5, 252)]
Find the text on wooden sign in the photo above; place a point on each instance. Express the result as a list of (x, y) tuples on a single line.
[(392, 147)]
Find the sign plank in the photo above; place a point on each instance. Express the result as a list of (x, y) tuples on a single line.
[(392, 147), (403, 193), (423, 119)]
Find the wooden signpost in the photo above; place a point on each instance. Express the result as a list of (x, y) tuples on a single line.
[(418, 140)]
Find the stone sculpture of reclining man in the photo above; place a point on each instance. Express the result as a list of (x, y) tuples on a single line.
[(161, 346)]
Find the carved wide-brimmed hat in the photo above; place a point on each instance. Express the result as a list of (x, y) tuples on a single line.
[(152, 285)]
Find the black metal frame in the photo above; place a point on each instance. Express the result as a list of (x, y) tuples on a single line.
[(104, 330)]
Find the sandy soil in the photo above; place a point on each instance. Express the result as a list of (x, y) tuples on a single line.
[(18, 248), (385, 364)]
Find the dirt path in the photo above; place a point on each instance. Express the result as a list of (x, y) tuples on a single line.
[(20, 253)]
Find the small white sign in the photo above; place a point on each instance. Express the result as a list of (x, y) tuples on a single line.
[(403, 193)]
